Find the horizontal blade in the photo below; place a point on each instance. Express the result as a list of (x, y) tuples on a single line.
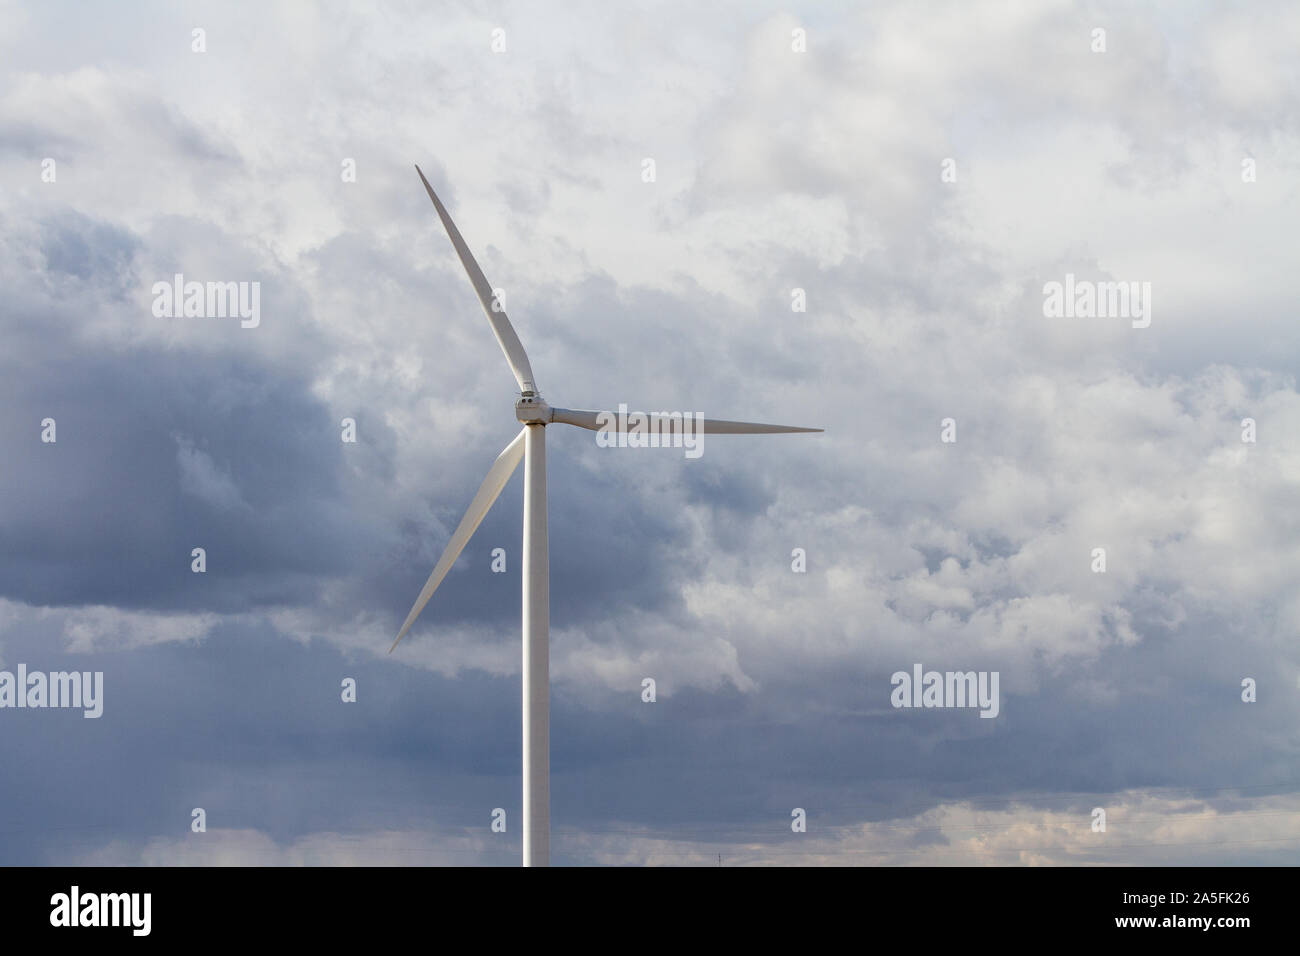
[(488, 492), (661, 422), (505, 332)]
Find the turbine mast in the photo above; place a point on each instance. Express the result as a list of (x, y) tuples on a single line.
[(536, 663)]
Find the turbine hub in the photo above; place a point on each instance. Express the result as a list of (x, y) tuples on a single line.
[(531, 409)]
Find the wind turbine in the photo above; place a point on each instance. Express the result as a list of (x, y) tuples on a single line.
[(530, 446)]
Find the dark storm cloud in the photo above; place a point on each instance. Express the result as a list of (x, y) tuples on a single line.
[(106, 515)]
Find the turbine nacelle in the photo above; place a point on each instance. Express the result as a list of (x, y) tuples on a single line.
[(531, 409)]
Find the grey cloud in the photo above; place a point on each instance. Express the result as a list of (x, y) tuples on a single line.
[(924, 302)]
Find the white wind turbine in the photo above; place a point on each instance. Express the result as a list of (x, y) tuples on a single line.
[(530, 445)]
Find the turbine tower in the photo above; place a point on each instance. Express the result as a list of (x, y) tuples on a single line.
[(530, 446)]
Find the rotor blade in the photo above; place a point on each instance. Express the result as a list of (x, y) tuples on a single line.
[(505, 332), (609, 421), (496, 479)]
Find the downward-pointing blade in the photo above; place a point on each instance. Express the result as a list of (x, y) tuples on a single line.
[(488, 492), (658, 421), (505, 332)]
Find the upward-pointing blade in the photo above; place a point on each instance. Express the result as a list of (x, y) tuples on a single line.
[(505, 332), (488, 492), (595, 421)]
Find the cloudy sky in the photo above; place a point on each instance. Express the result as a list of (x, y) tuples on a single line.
[(920, 171)]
